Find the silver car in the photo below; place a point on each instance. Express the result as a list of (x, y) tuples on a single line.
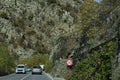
[(36, 70), (21, 68)]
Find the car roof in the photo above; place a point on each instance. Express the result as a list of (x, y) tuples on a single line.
[(36, 66)]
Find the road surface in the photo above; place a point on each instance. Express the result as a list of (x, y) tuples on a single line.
[(27, 76)]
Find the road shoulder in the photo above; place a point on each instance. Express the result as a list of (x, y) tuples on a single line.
[(58, 79), (53, 78), (49, 76)]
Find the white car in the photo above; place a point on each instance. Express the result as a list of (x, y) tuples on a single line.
[(21, 68)]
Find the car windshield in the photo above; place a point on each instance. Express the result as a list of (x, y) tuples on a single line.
[(20, 66)]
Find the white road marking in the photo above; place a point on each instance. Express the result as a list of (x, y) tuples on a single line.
[(26, 76)]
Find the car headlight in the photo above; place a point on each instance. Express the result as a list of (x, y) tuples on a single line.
[(23, 70)]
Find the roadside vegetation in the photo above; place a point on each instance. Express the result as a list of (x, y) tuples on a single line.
[(97, 66), (6, 60), (38, 59)]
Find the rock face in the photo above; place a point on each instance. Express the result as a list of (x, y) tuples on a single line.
[(114, 21), (36, 26)]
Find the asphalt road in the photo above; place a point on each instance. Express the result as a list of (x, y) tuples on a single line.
[(27, 76)]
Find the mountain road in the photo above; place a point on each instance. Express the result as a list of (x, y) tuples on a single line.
[(27, 76)]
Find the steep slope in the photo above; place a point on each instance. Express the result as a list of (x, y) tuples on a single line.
[(34, 26), (59, 28)]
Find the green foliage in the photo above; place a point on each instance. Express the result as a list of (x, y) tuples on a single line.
[(96, 66), (30, 16), (6, 60), (37, 60), (112, 3), (30, 32), (19, 21), (89, 12), (67, 7), (50, 21), (42, 3), (51, 1), (4, 14), (106, 7)]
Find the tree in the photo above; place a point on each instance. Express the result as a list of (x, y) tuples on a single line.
[(6, 60), (96, 66)]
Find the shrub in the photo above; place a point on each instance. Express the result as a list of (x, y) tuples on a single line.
[(30, 32), (50, 21), (51, 1), (97, 66), (68, 7), (19, 22), (4, 14), (6, 60)]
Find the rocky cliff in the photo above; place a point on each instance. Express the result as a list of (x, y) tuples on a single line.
[(54, 27), (114, 21), (35, 26)]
